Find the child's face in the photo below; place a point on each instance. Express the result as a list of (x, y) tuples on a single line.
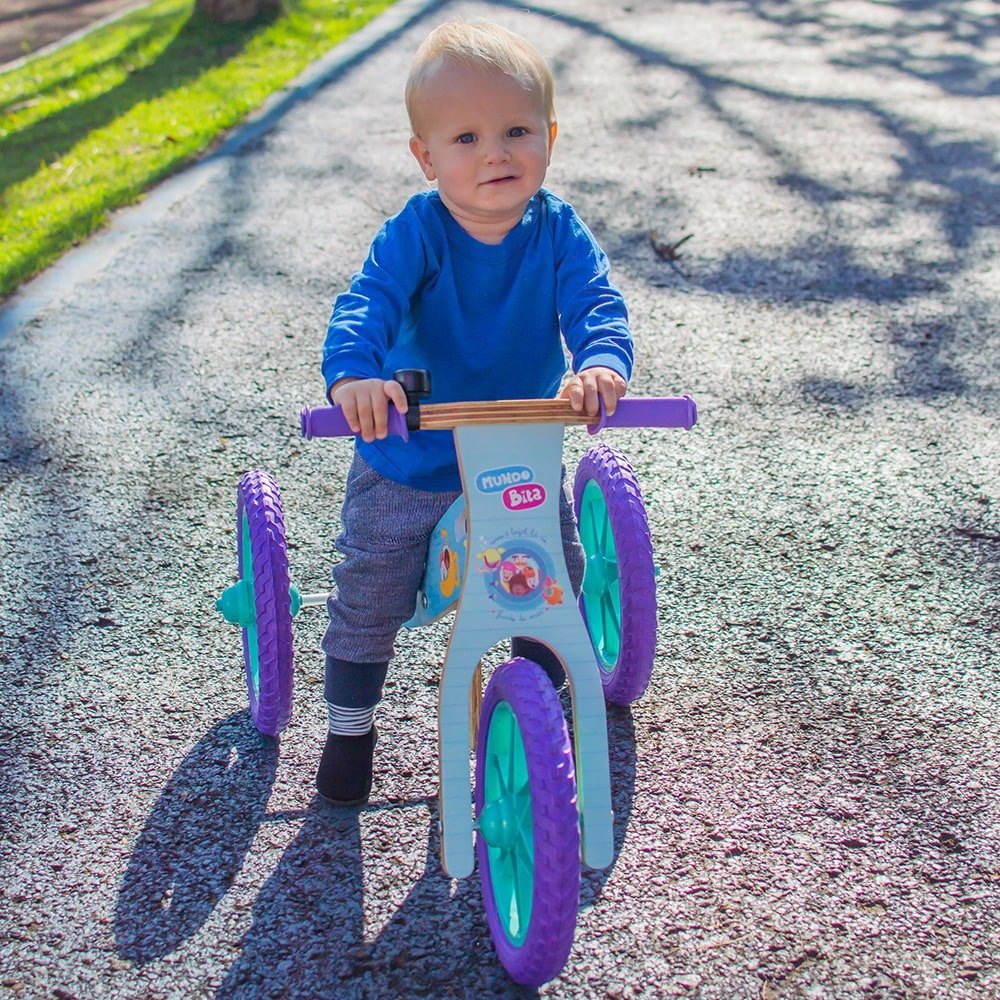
[(486, 141)]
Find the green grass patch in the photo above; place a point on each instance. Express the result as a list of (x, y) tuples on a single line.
[(95, 124)]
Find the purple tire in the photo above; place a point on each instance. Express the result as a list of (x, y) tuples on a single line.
[(619, 588), (262, 559), (528, 839)]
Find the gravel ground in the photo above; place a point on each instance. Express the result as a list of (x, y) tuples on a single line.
[(807, 797)]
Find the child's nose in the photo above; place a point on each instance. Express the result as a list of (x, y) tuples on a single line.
[(497, 151)]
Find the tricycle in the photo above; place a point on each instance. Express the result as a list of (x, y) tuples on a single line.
[(539, 805)]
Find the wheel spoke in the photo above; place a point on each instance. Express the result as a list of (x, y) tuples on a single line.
[(506, 889), (523, 882), (524, 849), (593, 522), (524, 876), (506, 821), (252, 645), (614, 597), (611, 619), (514, 909), (496, 771), (611, 630), (512, 736), (607, 542), (524, 820)]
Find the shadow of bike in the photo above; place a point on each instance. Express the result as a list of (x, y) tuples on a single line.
[(195, 839)]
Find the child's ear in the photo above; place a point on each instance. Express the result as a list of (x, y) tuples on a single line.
[(553, 128), (423, 156)]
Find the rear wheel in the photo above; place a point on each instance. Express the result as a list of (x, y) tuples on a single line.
[(528, 842), (262, 561), (619, 587)]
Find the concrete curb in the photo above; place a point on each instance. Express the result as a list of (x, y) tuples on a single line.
[(81, 263)]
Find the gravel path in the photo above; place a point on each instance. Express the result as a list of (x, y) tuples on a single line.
[(806, 799)]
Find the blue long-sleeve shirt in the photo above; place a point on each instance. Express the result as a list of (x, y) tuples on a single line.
[(485, 320)]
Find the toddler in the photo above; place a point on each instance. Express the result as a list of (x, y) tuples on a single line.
[(479, 281)]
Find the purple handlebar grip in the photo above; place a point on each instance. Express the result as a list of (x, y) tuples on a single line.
[(329, 421), (650, 411)]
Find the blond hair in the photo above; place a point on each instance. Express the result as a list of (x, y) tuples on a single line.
[(483, 44)]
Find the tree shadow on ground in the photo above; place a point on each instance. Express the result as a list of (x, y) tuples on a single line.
[(48, 560), (194, 841), (941, 183), (896, 43), (967, 168)]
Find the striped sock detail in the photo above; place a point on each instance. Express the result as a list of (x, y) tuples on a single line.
[(349, 721)]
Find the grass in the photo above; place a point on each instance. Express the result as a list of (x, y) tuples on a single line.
[(95, 124)]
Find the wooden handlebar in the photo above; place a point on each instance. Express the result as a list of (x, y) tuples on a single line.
[(445, 416)]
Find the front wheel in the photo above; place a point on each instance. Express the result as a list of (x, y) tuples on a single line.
[(528, 842), (619, 586)]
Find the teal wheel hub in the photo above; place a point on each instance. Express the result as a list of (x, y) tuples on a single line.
[(237, 604), (498, 823), (601, 583), (506, 823)]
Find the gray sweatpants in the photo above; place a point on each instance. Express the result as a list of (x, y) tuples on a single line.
[(386, 533)]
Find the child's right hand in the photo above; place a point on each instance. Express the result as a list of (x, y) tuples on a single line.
[(365, 404)]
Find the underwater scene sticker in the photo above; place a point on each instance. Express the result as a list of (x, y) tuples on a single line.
[(447, 557), (519, 575)]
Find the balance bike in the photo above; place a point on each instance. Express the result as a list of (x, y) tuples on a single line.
[(539, 804)]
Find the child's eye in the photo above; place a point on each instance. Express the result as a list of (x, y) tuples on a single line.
[(465, 138), (517, 132)]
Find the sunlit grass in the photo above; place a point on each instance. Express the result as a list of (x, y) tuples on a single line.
[(93, 125)]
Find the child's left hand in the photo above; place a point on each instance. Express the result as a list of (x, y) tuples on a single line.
[(586, 389)]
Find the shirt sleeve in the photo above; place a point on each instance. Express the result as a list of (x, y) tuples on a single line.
[(367, 318), (592, 312)]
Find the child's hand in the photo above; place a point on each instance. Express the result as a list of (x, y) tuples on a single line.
[(586, 389), (365, 402)]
